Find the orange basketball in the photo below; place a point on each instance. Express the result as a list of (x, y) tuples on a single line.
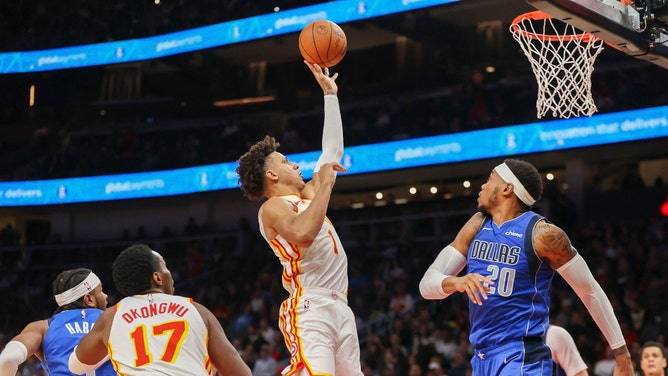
[(323, 42)]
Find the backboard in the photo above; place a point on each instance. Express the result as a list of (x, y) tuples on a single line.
[(639, 29)]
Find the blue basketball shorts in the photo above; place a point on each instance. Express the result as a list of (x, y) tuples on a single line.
[(529, 357)]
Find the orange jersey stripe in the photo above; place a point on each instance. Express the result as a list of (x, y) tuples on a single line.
[(336, 246)]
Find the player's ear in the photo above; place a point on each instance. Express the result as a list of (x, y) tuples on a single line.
[(270, 174), (508, 188), (157, 278), (89, 301)]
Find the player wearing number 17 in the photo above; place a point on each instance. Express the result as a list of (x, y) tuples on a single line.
[(512, 254), (153, 332)]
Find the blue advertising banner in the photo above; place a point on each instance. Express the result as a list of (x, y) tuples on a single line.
[(225, 33), (489, 143)]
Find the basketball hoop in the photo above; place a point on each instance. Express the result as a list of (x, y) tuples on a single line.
[(562, 59)]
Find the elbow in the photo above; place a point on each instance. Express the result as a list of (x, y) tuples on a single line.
[(423, 289), (76, 366), (431, 285), (429, 292)]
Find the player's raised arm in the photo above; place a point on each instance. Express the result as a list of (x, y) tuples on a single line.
[(332, 131)]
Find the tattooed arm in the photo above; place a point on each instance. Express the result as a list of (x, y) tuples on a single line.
[(554, 247)]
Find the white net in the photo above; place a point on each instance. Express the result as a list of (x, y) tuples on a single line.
[(562, 59)]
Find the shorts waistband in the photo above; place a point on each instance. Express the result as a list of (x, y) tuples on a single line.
[(319, 291), (527, 342)]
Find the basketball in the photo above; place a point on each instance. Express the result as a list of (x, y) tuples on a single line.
[(323, 42)]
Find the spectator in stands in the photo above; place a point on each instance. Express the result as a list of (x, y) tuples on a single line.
[(444, 343), (653, 359), (414, 370), (435, 367), (402, 300), (605, 365), (460, 366), (265, 365)]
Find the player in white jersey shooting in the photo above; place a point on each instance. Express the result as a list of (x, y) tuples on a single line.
[(317, 324)]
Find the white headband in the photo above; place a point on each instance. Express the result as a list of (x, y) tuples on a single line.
[(507, 175), (76, 292)]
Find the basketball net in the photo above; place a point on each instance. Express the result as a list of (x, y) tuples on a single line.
[(562, 59)]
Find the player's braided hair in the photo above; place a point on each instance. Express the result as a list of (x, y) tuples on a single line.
[(527, 174), (133, 269), (251, 167), (65, 281)]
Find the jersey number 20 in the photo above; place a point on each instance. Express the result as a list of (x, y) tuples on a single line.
[(505, 279)]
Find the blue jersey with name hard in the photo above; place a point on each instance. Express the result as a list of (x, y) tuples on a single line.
[(518, 304), (65, 330)]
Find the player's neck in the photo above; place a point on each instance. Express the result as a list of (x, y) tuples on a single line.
[(279, 191), (153, 291), (506, 213)]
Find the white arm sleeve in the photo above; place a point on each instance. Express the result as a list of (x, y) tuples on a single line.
[(332, 133), (448, 263), (79, 368), (564, 351), (15, 353), (579, 277)]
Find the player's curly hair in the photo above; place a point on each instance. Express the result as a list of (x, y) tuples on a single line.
[(251, 167), (133, 269), (65, 281), (529, 176)]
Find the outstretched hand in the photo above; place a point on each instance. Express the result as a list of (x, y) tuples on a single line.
[(327, 83), (474, 285)]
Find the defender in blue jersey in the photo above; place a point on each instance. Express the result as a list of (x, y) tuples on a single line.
[(81, 301), (512, 254)]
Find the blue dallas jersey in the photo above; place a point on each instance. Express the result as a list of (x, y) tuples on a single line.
[(518, 304), (65, 330)]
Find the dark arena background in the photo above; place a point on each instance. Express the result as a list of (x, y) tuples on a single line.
[(443, 70)]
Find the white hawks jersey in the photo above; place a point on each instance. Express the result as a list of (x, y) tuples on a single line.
[(158, 334), (323, 265)]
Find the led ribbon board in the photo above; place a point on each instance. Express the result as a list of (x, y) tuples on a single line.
[(225, 33), (530, 138)]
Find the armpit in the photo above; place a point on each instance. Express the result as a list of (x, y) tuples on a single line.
[(476, 221)]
